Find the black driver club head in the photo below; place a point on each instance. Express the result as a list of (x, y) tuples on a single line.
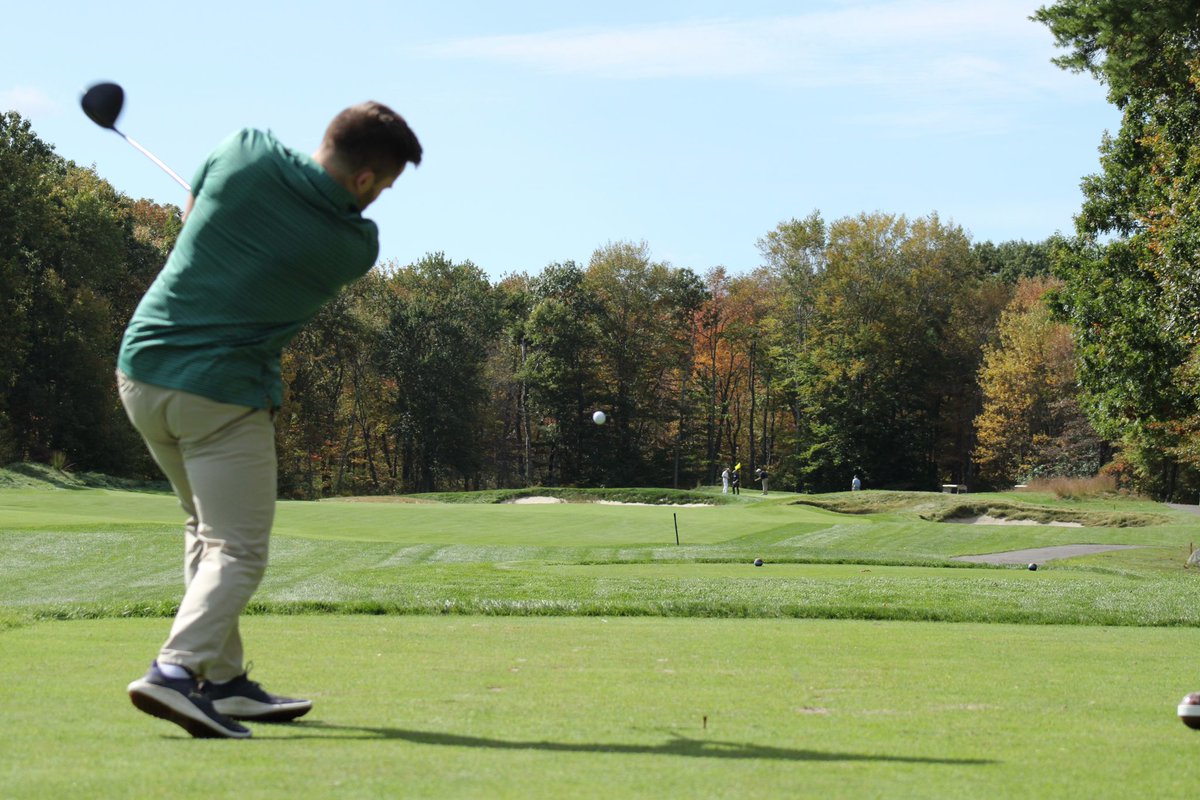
[(102, 103)]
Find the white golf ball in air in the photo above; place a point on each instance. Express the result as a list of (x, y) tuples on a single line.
[(599, 418)]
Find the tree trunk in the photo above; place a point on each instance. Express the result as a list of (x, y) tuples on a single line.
[(753, 397), (526, 428)]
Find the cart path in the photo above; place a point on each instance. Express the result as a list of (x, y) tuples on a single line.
[(1039, 554)]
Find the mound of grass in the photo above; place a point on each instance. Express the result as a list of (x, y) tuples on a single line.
[(1043, 515), (875, 502), (44, 476), (937, 507)]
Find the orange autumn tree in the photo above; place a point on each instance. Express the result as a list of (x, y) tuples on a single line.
[(1031, 424)]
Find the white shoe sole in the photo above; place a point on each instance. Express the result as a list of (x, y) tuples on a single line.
[(165, 703), (249, 709)]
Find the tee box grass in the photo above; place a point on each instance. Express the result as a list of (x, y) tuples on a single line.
[(467, 706)]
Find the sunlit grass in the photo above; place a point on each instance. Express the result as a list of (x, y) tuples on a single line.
[(605, 707), (467, 649), (92, 553)]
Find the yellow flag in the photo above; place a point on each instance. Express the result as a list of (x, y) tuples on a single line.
[(737, 465)]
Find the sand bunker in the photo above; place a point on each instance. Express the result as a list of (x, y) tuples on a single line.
[(525, 501), (1039, 554), (985, 519)]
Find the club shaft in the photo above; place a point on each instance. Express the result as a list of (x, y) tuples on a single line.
[(154, 158)]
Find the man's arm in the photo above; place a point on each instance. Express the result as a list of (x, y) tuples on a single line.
[(188, 209)]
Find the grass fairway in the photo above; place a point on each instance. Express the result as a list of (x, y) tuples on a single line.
[(472, 649), (570, 707), (103, 553)]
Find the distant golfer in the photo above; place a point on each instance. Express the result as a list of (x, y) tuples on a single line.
[(735, 481), (725, 481), (855, 484), (270, 235), (763, 478)]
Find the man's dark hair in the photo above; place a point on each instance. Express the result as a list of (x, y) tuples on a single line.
[(372, 136)]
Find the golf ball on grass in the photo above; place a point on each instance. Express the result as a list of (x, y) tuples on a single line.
[(599, 418), (1033, 567), (1189, 711), (758, 562)]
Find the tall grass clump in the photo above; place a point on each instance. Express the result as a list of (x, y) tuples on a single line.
[(1075, 488)]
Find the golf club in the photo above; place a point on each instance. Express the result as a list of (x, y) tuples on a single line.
[(103, 102)]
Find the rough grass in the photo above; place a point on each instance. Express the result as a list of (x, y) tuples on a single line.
[(30, 475), (1076, 488), (1078, 596)]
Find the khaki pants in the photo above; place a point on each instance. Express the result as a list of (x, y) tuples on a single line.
[(220, 459)]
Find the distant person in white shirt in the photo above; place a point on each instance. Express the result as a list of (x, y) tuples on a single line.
[(855, 484)]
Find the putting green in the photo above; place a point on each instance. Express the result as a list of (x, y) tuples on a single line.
[(568, 525)]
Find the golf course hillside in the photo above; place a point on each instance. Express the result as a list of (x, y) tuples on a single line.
[(1022, 507)]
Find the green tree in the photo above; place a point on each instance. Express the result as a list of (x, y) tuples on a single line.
[(644, 349), (508, 433), (442, 317), (885, 362), (719, 371), (561, 372), (1132, 276), (795, 254), (331, 432), (1010, 261), (75, 256), (30, 171)]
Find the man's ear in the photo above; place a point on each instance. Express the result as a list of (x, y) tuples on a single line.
[(364, 179)]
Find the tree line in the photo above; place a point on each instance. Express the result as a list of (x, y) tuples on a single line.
[(855, 348), (889, 347)]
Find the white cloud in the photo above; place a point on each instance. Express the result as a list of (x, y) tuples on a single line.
[(886, 43), (27, 101)]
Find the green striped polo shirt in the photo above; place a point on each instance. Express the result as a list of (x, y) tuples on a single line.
[(271, 237)]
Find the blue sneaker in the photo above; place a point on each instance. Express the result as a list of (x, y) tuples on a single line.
[(242, 698), (181, 701)]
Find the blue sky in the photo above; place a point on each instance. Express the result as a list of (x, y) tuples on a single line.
[(551, 128)]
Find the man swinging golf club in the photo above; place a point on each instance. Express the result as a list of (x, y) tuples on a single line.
[(269, 236)]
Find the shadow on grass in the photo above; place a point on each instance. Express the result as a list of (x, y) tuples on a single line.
[(677, 746)]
